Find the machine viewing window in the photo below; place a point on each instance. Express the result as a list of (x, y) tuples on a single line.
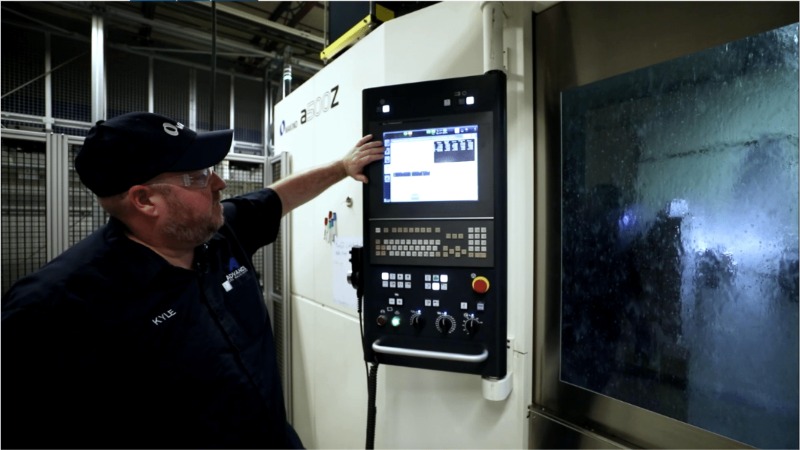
[(679, 218), (431, 165)]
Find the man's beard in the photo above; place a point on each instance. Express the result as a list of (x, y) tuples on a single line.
[(189, 227)]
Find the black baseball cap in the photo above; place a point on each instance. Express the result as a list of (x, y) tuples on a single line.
[(135, 147)]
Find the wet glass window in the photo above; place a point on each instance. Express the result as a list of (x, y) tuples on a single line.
[(680, 238)]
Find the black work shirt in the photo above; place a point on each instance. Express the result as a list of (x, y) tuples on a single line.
[(111, 346)]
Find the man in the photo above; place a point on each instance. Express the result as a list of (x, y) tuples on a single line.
[(152, 331)]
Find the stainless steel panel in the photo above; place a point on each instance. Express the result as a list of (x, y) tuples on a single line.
[(549, 431)]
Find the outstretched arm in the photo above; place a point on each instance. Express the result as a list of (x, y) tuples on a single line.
[(297, 189)]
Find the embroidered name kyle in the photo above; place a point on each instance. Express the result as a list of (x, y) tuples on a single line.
[(159, 319)]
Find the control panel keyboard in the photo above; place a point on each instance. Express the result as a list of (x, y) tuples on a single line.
[(461, 243)]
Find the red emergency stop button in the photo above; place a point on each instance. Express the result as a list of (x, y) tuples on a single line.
[(480, 285)]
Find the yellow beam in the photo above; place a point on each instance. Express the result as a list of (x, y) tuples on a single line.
[(358, 31)]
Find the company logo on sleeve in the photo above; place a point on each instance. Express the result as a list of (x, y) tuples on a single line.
[(236, 271)]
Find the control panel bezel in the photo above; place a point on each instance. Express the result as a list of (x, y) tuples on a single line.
[(457, 325)]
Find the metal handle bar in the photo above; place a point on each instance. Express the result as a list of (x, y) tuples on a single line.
[(460, 357)]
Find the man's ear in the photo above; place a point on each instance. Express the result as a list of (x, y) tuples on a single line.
[(145, 200)]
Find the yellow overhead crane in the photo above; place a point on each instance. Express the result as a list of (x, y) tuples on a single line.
[(376, 17)]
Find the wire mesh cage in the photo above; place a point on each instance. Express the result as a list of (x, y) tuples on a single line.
[(171, 90), (24, 208), (127, 77), (249, 120), (72, 62), (23, 67), (85, 214), (222, 98), (41, 66)]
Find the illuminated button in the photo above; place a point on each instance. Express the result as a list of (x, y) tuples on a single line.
[(481, 306), (396, 321), (385, 276), (480, 285)]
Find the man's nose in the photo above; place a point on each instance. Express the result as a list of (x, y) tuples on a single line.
[(217, 183)]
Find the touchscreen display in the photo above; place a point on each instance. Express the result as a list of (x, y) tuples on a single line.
[(431, 165)]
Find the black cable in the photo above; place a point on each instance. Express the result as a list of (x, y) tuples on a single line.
[(372, 388), (361, 328), (356, 280)]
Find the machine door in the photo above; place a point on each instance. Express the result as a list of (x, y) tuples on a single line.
[(667, 224)]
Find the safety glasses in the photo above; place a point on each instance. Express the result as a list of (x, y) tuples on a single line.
[(197, 179)]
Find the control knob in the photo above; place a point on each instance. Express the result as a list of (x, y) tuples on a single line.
[(417, 321), (471, 324), (445, 323)]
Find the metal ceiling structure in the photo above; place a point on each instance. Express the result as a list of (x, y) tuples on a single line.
[(256, 38), (251, 38)]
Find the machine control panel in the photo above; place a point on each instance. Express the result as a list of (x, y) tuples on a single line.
[(434, 255)]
